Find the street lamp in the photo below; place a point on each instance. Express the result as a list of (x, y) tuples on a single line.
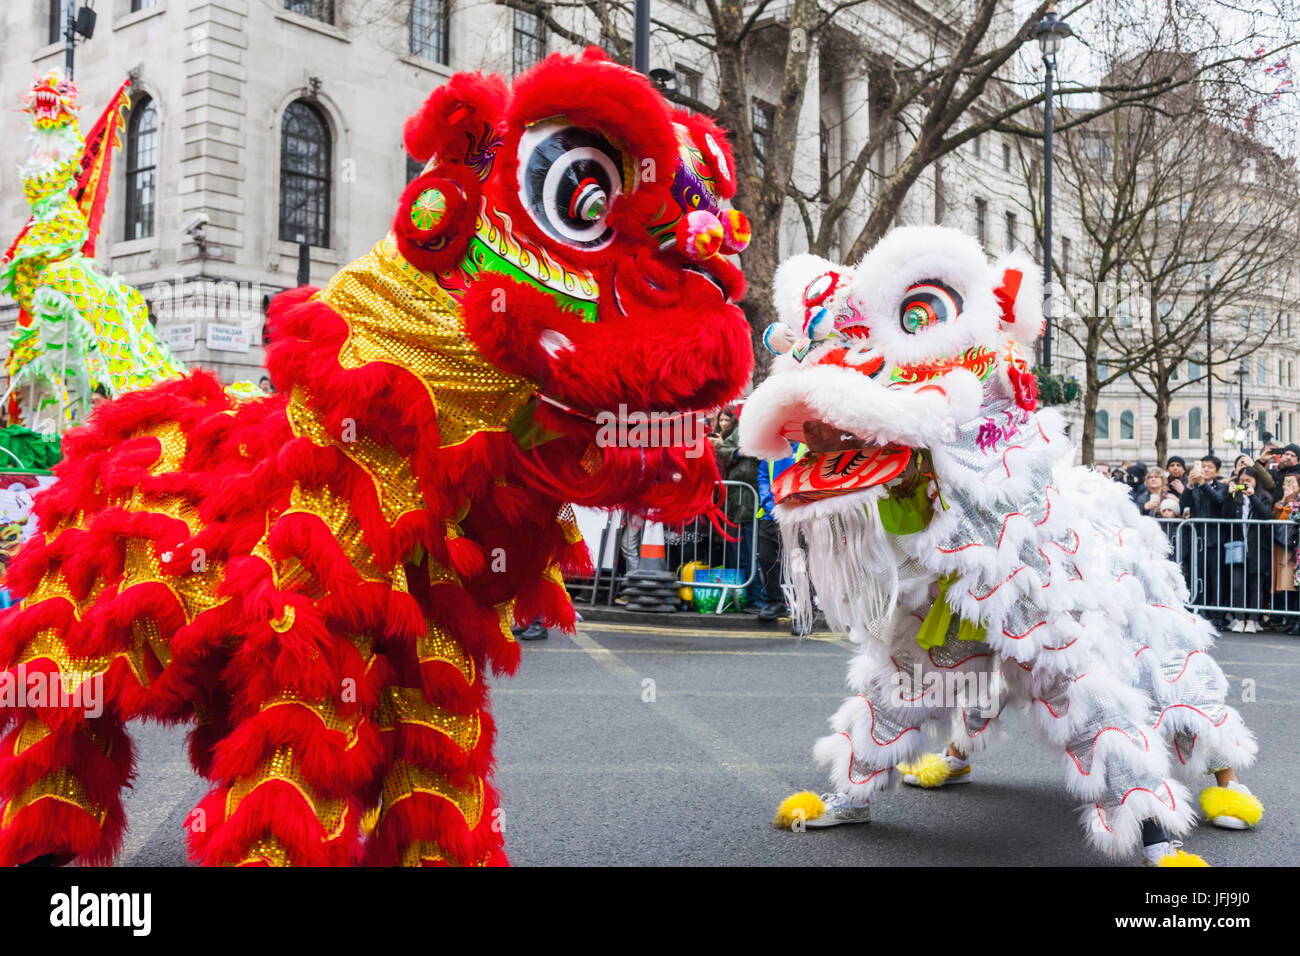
[(641, 36), (1209, 377), (1049, 33)]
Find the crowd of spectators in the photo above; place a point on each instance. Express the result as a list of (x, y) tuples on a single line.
[(1237, 555)]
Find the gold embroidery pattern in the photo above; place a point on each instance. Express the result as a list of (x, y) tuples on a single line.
[(398, 316), (389, 471), (438, 645), (74, 671), (506, 618), (173, 444), (267, 850), (336, 513), (52, 585), (330, 813), (62, 785), (406, 705), (145, 630), (324, 709), (568, 522), (32, 732), (403, 780)]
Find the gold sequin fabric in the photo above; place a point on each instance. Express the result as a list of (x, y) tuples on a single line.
[(398, 315)]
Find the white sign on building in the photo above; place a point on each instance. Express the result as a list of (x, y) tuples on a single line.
[(228, 338), (180, 338)]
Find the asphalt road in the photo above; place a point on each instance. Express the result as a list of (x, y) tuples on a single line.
[(597, 770)]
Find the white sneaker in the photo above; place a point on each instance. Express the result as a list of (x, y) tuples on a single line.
[(1238, 626), (1227, 821), (839, 809), (936, 770), (1168, 854), (1252, 627)]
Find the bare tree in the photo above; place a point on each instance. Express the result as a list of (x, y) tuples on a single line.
[(939, 74), (1183, 220)]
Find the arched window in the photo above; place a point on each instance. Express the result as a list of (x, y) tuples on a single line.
[(1126, 426), (1193, 424), (305, 175), (1103, 425), (141, 168)]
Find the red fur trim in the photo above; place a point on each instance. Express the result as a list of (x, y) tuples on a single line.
[(442, 246), (425, 817), (276, 809), (1006, 294), (455, 117), (630, 112)]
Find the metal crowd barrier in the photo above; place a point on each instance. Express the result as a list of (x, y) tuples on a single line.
[(1242, 568), (696, 543)]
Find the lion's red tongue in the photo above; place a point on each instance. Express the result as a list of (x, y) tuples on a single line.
[(818, 476)]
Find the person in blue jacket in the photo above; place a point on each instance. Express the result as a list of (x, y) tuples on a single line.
[(769, 536)]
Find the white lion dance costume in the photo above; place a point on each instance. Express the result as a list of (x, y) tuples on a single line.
[(940, 522)]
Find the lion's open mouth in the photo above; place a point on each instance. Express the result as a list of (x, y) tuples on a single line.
[(836, 463)]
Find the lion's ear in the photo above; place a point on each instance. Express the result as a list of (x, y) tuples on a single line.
[(458, 121), (1019, 293)]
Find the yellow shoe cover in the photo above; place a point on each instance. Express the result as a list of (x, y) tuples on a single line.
[(805, 805), (931, 770), (1181, 858), (1225, 802)]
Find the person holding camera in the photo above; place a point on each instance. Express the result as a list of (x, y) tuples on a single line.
[(1204, 498), (1247, 551), (1285, 538)]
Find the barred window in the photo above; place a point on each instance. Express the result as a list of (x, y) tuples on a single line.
[(322, 10), (530, 40), (688, 81), (58, 19), (763, 119), (141, 168), (305, 175), (429, 29)]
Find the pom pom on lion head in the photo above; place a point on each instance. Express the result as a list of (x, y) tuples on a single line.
[(879, 361), (566, 215)]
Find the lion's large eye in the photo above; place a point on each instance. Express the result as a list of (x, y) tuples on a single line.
[(568, 179), (928, 303)]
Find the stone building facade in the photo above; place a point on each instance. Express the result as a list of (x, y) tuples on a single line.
[(258, 120)]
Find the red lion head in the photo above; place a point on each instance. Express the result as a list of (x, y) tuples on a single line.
[(577, 217)]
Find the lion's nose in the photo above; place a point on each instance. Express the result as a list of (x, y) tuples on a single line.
[(702, 235)]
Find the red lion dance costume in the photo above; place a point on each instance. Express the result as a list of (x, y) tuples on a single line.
[(321, 578)]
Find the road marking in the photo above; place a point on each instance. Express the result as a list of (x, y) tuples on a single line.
[(674, 631), (507, 690), (741, 766), (672, 650)]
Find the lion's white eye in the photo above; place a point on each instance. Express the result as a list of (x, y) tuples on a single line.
[(568, 179), (927, 303)]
